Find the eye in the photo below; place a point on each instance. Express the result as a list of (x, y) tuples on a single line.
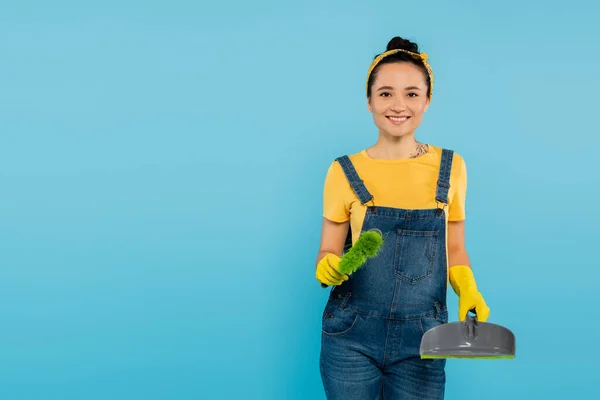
[(385, 94), (412, 94)]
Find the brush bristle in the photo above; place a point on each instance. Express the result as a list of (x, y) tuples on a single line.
[(367, 246), (370, 243)]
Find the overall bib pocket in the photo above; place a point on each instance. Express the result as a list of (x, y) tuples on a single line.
[(415, 254)]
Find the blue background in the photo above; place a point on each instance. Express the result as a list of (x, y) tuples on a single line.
[(161, 169)]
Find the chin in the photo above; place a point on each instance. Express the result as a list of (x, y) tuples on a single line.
[(391, 130), (397, 133)]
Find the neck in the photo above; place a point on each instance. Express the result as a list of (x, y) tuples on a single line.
[(394, 148)]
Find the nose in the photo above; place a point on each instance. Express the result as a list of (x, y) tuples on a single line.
[(398, 105)]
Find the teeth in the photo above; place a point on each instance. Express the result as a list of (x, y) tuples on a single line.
[(397, 119)]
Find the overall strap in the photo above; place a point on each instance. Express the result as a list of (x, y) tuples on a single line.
[(443, 184), (357, 184)]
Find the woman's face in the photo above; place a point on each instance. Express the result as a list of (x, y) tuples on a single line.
[(398, 98)]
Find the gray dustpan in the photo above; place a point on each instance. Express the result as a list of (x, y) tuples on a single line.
[(468, 339)]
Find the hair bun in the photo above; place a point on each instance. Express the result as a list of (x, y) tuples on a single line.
[(403, 44)]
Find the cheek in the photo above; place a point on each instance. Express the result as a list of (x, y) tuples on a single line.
[(379, 107), (422, 106), (419, 109)]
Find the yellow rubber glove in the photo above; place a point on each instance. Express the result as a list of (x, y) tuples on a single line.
[(469, 298), (327, 270)]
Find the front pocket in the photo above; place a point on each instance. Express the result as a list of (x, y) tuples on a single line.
[(337, 320), (415, 254), (427, 323)]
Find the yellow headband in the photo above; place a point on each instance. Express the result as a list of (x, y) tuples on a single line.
[(420, 56)]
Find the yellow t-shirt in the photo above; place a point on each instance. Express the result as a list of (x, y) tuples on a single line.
[(407, 183)]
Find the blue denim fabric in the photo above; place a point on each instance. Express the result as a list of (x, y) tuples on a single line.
[(373, 323)]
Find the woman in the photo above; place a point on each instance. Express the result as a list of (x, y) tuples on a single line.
[(414, 194)]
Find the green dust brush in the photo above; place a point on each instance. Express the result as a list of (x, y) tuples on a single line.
[(367, 246)]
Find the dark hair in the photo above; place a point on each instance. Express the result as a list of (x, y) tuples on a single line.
[(400, 43)]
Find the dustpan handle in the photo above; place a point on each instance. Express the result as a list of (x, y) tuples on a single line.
[(471, 326)]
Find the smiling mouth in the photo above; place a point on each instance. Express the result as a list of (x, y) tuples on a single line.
[(398, 119)]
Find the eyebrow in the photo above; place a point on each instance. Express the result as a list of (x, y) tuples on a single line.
[(406, 88)]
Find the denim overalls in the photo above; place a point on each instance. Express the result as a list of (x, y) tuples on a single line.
[(373, 323)]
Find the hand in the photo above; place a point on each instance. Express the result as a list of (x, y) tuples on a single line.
[(469, 298), (327, 271), (472, 300)]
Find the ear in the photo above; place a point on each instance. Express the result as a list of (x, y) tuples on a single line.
[(369, 106), (427, 105)]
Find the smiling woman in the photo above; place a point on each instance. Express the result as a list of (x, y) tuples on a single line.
[(414, 194)]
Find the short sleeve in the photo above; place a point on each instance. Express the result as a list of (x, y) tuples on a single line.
[(456, 208), (336, 194)]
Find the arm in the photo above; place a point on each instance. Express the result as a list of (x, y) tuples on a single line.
[(333, 237), (336, 192), (461, 275), (457, 252)]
